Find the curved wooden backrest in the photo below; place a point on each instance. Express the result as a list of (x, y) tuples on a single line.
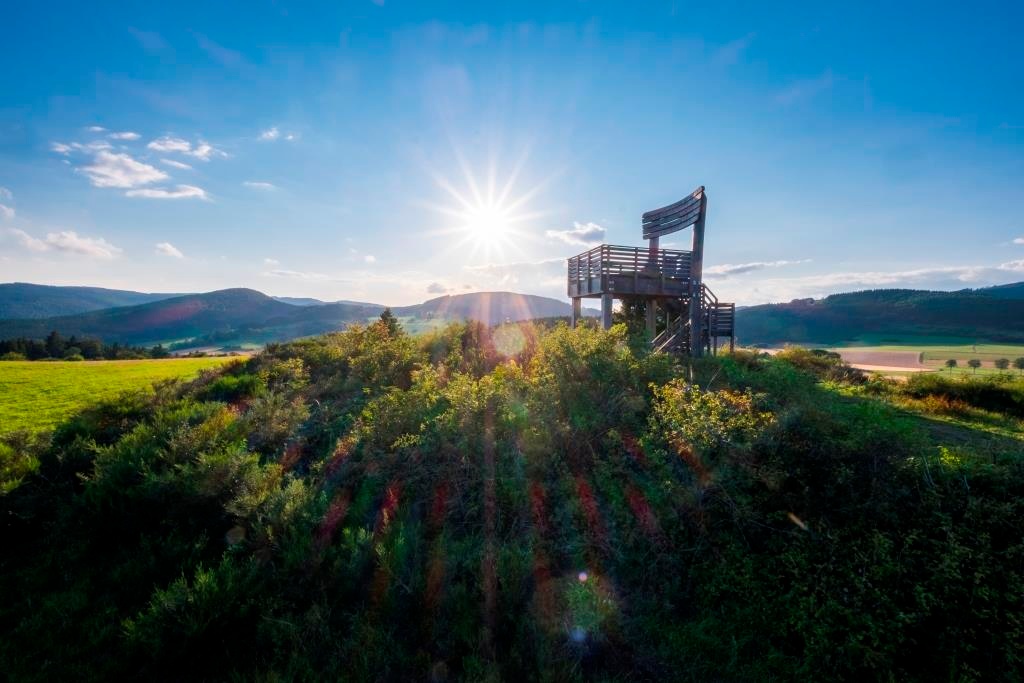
[(678, 216)]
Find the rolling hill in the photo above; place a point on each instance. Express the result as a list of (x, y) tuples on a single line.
[(225, 315), (490, 307), (991, 314), (234, 316), (25, 300)]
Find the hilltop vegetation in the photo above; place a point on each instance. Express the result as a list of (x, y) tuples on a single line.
[(993, 314), (511, 503)]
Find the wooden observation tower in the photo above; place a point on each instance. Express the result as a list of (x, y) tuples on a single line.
[(695, 319)]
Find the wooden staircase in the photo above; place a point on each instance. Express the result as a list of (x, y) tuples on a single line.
[(718, 320)]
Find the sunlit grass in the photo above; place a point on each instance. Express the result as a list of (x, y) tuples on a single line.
[(37, 395)]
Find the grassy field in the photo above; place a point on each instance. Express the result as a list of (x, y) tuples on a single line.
[(38, 395)]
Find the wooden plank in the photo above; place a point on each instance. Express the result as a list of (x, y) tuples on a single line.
[(673, 215), (690, 215), (653, 213)]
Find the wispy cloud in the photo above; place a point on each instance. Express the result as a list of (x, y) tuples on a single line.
[(179, 192), (369, 258), (274, 133), (727, 269), (300, 275), (1019, 240), (804, 88), (176, 164), (124, 135), (86, 148), (202, 150), (259, 185), (938, 278), (583, 234), (96, 129), (169, 144), (120, 170), (731, 52), (168, 249), (437, 288), (68, 241), (226, 56), (6, 212), (271, 262)]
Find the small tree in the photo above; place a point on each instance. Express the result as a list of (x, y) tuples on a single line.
[(951, 363), (974, 364), (1002, 363), (1019, 364), (390, 322)]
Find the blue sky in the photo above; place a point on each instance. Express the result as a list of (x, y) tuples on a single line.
[(322, 150)]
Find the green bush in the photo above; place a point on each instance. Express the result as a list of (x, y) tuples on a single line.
[(512, 503)]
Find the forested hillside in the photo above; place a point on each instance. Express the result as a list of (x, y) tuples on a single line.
[(24, 300), (514, 504), (995, 314)]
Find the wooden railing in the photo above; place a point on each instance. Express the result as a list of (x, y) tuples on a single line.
[(609, 259)]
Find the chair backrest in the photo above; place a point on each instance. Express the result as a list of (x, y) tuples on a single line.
[(678, 216)]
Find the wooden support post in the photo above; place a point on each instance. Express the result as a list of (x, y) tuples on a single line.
[(696, 271), (577, 310), (652, 317), (606, 311)]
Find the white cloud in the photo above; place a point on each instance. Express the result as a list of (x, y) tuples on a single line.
[(95, 129), (437, 288), (5, 193), (169, 144), (727, 269), (271, 262), (205, 151), (270, 134), (258, 185), (291, 137), (60, 148), (6, 212), (180, 192), (541, 277), (176, 164), (1019, 240), (93, 146), (583, 234), (297, 275), (67, 241), (168, 249), (370, 258), (28, 241), (763, 290), (120, 170), (202, 150), (124, 135)]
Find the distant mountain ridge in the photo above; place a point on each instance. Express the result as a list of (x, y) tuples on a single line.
[(233, 316), (990, 313), (26, 300)]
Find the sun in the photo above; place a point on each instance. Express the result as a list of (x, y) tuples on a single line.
[(485, 219), (488, 225)]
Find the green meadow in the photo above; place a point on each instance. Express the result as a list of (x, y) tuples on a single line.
[(37, 395)]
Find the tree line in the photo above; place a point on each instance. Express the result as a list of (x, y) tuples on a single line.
[(58, 347)]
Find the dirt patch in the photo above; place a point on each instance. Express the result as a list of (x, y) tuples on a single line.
[(883, 360)]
